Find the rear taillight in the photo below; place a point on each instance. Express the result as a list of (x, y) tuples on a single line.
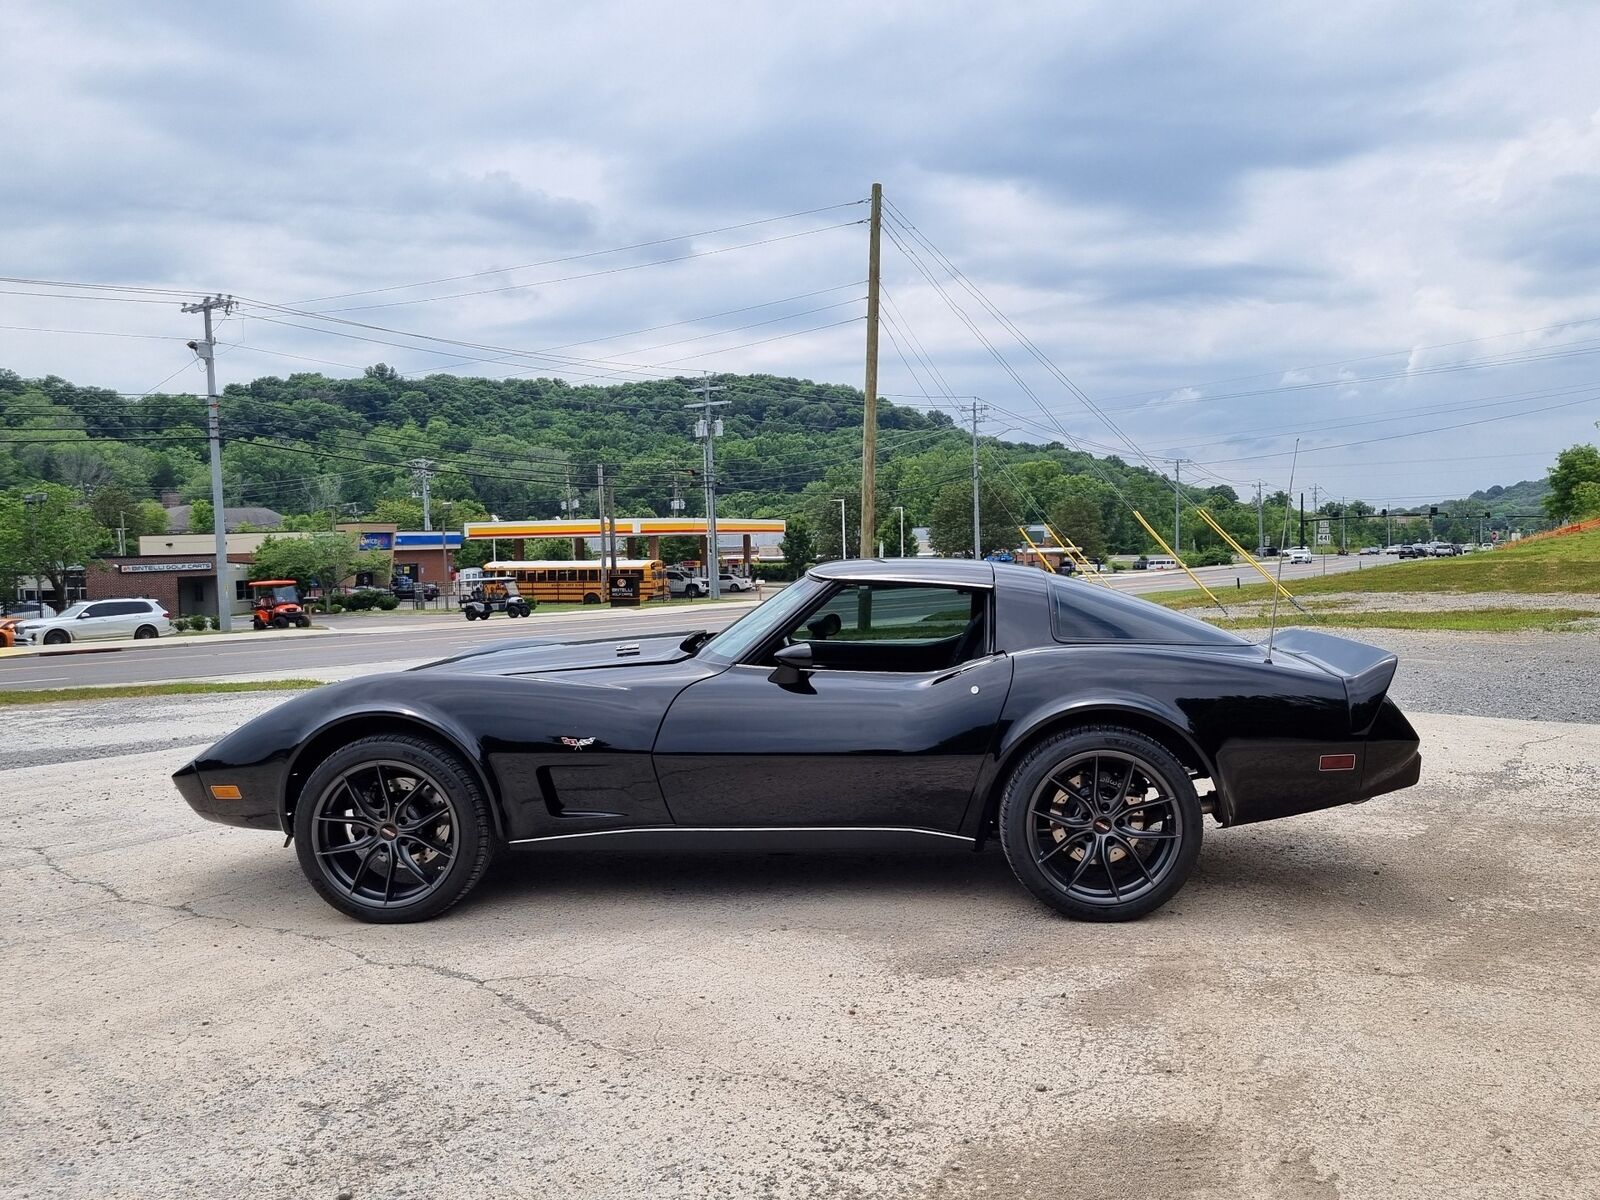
[(165, 615)]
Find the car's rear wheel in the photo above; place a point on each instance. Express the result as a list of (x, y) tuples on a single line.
[(392, 829), (1101, 823), (144, 632)]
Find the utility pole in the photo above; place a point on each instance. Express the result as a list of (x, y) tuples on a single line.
[(1302, 518), (1344, 509), (422, 470), (901, 509), (600, 507), (122, 534), (869, 412), (1177, 504), (708, 428), (1261, 521), (844, 545), (977, 411), (207, 350)]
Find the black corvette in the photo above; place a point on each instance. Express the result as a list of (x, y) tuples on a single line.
[(872, 701)]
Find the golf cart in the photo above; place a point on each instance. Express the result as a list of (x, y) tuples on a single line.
[(276, 602), (492, 594)]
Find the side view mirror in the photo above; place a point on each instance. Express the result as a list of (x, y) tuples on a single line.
[(794, 663)]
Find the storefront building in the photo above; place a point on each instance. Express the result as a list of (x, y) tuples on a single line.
[(184, 584)]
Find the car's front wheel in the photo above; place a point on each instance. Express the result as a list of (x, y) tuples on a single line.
[(57, 637), (392, 829), (1101, 823)]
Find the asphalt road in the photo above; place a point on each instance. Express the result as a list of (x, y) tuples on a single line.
[(1392, 1001), (377, 641)]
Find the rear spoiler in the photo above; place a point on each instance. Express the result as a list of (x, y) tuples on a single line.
[(1366, 670)]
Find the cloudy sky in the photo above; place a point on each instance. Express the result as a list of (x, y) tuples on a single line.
[(1374, 227)]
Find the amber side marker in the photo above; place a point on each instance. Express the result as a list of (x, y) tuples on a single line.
[(1328, 762), (225, 791)]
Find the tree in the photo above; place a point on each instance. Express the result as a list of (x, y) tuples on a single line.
[(49, 538), (799, 551), (326, 560), (202, 517), (1586, 501), (1575, 466), (950, 525), (1078, 517)]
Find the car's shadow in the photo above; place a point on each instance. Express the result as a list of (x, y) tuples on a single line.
[(1292, 881)]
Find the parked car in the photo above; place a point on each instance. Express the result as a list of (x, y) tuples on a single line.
[(36, 609), (1299, 554), (736, 583), (686, 583), (405, 588), (93, 620), (1067, 721)]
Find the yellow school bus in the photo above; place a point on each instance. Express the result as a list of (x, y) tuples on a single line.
[(578, 581)]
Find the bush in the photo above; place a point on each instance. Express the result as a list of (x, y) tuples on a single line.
[(333, 606), (360, 601), (387, 602), (213, 622), (195, 623), (1216, 556)]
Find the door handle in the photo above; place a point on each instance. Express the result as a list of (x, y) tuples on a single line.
[(963, 668)]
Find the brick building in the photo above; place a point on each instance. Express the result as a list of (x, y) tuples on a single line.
[(184, 584), (428, 557)]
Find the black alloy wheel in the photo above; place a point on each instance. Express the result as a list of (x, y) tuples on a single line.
[(144, 633), (57, 637), (393, 829), (1102, 823)]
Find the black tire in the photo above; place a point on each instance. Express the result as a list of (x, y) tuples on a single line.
[(145, 633), (280, 622), (57, 637), (591, 598), (692, 591), (258, 623), (1122, 858), (355, 872), (303, 621)]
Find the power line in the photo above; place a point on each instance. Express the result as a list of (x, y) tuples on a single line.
[(588, 254)]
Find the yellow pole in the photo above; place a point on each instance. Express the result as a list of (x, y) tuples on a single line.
[(1244, 554), (1078, 557), (1045, 561), (1173, 555)]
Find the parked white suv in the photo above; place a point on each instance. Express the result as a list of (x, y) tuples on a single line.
[(92, 620)]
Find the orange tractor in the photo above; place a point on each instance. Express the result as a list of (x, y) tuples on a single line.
[(277, 604)]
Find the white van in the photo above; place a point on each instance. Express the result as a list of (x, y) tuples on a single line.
[(1161, 564)]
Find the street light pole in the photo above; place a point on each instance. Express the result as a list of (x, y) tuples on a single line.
[(207, 350)]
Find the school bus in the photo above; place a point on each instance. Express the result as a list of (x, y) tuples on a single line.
[(580, 581)]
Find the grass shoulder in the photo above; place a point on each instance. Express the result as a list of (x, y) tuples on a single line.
[(1470, 620), (137, 690)]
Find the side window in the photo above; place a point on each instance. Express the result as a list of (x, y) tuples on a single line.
[(895, 627), (100, 610)]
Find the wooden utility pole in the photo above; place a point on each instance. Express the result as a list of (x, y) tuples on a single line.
[(207, 350), (869, 413)]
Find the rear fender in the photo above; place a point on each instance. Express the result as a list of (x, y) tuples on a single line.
[(1168, 726)]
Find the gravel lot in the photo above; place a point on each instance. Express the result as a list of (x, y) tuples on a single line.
[(1394, 1000)]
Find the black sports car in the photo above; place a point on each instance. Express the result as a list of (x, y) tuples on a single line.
[(872, 701)]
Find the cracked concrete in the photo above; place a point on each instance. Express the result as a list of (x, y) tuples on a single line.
[(1394, 1000)]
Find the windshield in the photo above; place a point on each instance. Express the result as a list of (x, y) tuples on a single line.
[(734, 642), (75, 610)]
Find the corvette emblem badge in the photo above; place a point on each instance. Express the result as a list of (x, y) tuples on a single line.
[(577, 743)]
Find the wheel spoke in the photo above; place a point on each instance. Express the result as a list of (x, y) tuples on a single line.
[(1111, 876), (361, 803), (349, 848), (1146, 835), (1137, 861), (1045, 814), (409, 862), (362, 869), (1083, 865), (383, 792), (1063, 844), (388, 878), (1143, 804)]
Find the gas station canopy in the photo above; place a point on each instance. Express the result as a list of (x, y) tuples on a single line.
[(625, 527)]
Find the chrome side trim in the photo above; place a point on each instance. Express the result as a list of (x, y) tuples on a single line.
[(594, 833)]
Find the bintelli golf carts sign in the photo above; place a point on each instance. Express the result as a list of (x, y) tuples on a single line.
[(150, 568)]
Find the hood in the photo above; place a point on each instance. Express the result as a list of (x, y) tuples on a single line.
[(539, 656)]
